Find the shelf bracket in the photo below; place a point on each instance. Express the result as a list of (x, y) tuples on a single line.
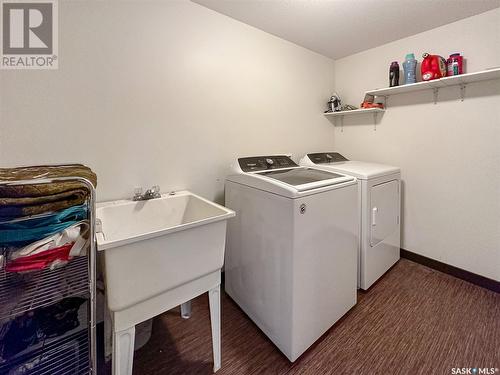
[(375, 121), (462, 91), (436, 91), (386, 101), (341, 124)]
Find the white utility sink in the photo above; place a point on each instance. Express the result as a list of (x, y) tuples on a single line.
[(158, 254)]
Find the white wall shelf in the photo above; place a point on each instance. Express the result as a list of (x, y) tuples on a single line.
[(354, 112), (341, 114), (460, 80)]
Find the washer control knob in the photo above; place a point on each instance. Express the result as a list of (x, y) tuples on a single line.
[(269, 161)]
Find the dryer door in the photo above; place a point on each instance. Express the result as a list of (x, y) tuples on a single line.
[(384, 210)]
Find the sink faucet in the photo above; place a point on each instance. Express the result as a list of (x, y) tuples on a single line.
[(152, 193)]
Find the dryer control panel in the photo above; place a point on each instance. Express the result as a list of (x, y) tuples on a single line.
[(262, 163), (326, 157)]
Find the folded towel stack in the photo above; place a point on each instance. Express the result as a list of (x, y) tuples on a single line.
[(23, 200), (43, 225)]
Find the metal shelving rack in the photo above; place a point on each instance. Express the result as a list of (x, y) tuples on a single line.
[(19, 295)]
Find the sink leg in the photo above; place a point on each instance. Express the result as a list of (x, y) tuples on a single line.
[(186, 310), (123, 351), (214, 300)]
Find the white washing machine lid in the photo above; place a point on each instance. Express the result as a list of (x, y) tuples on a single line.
[(333, 161), (266, 173)]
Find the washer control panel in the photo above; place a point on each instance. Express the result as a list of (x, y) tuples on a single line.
[(262, 163), (326, 157)]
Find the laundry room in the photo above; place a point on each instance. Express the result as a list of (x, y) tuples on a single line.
[(249, 187)]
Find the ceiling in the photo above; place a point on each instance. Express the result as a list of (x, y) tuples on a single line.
[(338, 28)]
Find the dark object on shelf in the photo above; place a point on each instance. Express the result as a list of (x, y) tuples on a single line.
[(60, 318), (21, 333), (433, 67), (37, 326), (348, 107), (394, 74), (334, 104), (66, 355)]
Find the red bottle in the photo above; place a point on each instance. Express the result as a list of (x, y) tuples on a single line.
[(455, 64), (433, 67)]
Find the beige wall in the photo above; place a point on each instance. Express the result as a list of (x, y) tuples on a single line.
[(170, 93), (164, 92), (449, 153)]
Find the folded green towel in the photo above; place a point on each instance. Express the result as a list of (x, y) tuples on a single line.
[(20, 232)]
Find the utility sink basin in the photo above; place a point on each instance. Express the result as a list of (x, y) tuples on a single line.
[(158, 254)]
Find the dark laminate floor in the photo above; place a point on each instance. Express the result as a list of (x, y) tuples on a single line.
[(413, 321)]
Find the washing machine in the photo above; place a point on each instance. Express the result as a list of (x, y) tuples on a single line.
[(380, 198), (291, 253)]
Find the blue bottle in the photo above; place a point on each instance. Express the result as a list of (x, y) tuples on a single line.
[(410, 69)]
